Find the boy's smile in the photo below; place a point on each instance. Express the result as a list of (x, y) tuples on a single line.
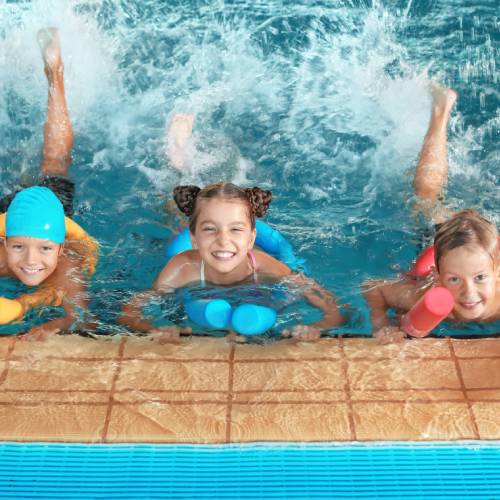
[(32, 260)]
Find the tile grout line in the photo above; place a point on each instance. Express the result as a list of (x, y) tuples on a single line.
[(230, 395), (8, 355), (110, 403), (464, 389), (347, 389), (181, 402)]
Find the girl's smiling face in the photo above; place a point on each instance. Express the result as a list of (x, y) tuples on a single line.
[(471, 275), (224, 236)]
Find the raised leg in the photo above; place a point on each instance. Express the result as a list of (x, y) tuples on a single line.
[(432, 168), (58, 133), (178, 135)]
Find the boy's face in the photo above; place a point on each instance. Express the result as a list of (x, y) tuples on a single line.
[(470, 274), (223, 234), (32, 260)]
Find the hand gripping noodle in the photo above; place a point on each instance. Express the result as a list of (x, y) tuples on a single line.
[(218, 314), (428, 312), (77, 240)]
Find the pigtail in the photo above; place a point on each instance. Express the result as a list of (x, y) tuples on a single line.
[(185, 198), (259, 200)]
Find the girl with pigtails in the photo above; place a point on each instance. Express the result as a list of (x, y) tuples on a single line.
[(222, 231)]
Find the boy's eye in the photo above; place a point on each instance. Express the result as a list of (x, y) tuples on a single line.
[(17, 246), (453, 280), (47, 248), (482, 277)]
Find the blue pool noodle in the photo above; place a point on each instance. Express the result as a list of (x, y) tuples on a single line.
[(214, 314), (252, 319), (269, 239)]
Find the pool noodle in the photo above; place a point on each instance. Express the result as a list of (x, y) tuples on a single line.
[(428, 312)]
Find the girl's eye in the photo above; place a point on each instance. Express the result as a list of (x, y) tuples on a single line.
[(482, 277), (453, 280), (208, 228), (237, 229)]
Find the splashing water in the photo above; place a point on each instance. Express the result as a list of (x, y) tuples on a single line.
[(325, 103)]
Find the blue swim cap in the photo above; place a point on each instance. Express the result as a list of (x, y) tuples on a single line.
[(36, 212)]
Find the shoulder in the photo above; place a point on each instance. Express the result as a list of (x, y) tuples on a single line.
[(269, 265), (4, 268), (181, 269)]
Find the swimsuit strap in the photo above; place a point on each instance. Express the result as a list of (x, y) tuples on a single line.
[(202, 272), (253, 260)]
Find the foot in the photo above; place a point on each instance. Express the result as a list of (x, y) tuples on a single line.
[(48, 39), (179, 132), (443, 99)]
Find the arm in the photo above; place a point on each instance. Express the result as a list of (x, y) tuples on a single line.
[(179, 271), (67, 288), (323, 300), (383, 295)]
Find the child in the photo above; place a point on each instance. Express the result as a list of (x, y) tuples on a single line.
[(222, 227), (34, 230), (467, 259)]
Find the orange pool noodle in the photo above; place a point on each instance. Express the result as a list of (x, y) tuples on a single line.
[(424, 263), (10, 310), (428, 312)]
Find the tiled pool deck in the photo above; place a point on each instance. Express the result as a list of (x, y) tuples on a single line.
[(204, 390)]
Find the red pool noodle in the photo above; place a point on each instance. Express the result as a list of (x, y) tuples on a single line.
[(428, 312), (424, 263)]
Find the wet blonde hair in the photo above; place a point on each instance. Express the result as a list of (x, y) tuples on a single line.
[(466, 228)]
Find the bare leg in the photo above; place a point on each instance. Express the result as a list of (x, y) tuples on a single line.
[(178, 135), (432, 168), (58, 134)]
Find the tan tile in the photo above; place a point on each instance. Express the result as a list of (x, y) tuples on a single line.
[(487, 419), (484, 394), (258, 397), (285, 375), (290, 422), (190, 348), (67, 347), (481, 373), (408, 395), (401, 375), (55, 374), (477, 348), (6, 341), (173, 376), (164, 423), (420, 348), (288, 349), (134, 396), (27, 397), (412, 421), (78, 423)]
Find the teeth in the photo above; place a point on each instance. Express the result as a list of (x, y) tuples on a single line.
[(223, 255), (31, 271)]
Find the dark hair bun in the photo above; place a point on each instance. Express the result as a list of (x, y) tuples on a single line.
[(259, 200), (185, 198)]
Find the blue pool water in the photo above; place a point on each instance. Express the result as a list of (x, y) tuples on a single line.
[(250, 471), (323, 102)]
